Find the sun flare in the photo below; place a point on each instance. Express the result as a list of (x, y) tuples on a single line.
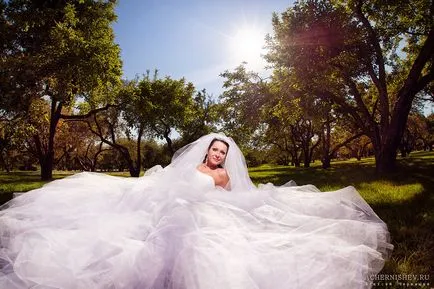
[(247, 45)]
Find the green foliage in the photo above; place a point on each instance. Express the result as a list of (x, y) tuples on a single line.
[(148, 108), (241, 105), (14, 135), (66, 49), (200, 118), (61, 51), (369, 59), (164, 102), (165, 105), (279, 116), (417, 135)]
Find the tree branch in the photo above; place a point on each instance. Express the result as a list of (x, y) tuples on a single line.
[(338, 146), (414, 83), (379, 82), (374, 39), (89, 114), (424, 81)]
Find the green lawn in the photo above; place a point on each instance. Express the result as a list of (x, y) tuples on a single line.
[(404, 200)]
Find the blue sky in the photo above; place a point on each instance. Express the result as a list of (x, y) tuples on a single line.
[(194, 39)]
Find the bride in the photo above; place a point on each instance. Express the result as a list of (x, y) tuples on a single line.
[(198, 223)]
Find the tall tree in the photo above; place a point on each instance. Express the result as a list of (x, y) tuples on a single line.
[(61, 51), (241, 104), (166, 103), (380, 53), (113, 130), (200, 118)]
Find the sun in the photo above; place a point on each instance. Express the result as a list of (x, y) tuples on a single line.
[(247, 44)]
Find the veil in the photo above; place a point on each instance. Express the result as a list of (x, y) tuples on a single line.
[(235, 164)]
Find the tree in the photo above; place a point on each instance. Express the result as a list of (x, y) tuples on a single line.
[(241, 104), (336, 133), (77, 148), (429, 138), (291, 127), (357, 148), (166, 104), (273, 113), (112, 130), (200, 118), (379, 53), (62, 51), (417, 134), (13, 140)]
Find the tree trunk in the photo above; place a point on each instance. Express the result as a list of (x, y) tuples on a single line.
[(386, 153), (139, 150), (295, 160), (47, 167), (46, 159), (307, 159), (326, 144), (169, 143), (132, 168), (385, 159), (5, 162), (134, 172), (326, 161), (387, 147)]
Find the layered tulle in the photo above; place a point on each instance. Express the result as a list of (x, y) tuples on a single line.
[(97, 231)]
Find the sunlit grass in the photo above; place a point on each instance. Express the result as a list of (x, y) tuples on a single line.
[(19, 181), (383, 191)]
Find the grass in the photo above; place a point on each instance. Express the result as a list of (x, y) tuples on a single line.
[(404, 200)]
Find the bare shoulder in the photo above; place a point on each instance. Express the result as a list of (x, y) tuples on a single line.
[(222, 173), (201, 168), (223, 178)]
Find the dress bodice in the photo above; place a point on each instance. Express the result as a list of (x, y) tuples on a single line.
[(202, 180)]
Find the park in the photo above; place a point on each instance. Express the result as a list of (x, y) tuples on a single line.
[(347, 101)]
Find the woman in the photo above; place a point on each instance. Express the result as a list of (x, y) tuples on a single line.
[(198, 223), (212, 163)]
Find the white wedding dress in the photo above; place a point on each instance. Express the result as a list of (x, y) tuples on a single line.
[(174, 229)]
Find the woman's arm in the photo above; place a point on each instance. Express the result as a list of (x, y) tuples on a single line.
[(223, 179)]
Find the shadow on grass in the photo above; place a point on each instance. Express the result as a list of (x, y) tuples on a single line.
[(411, 222)]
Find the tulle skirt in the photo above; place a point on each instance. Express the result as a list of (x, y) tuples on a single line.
[(97, 231)]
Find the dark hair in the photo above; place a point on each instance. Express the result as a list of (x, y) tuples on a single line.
[(210, 145)]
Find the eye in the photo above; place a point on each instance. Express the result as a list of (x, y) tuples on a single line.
[(223, 152)]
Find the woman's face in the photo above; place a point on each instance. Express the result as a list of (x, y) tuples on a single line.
[(217, 153)]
